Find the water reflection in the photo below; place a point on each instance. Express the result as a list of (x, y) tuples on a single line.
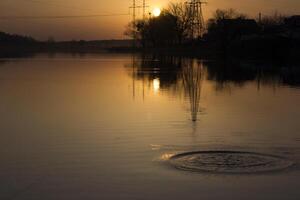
[(72, 122), (156, 85), (238, 73), (178, 75), (192, 74)]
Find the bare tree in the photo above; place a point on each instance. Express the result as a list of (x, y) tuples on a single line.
[(272, 20), (181, 11), (227, 14)]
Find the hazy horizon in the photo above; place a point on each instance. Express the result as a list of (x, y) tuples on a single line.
[(109, 27)]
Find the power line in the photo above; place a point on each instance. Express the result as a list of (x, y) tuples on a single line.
[(59, 16), (136, 6), (133, 21), (23, 17), (56, 4), (144, 9)]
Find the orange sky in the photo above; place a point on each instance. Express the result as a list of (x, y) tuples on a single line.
[(107, 27)]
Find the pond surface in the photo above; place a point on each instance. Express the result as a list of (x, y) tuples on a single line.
[(112, 126)]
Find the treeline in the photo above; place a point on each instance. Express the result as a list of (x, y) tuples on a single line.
[(10, 39), (228, 31), (13, 44)]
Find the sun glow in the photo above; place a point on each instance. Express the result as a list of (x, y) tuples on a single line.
[(156, 12), (156, 85)]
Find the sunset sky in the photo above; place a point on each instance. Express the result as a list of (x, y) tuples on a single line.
[(111, 27)]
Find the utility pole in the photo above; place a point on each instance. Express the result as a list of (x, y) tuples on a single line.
[(259, 18), (196, 18), (134, 42), (134, 7), (139, 6), (133, 12), (144, 9)]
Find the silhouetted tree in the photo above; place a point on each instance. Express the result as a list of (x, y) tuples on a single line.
[(227, 26), (215, 24), (12, 39), (170, 28), (155, 31), (227, 14), (273, 20), (181, 11)]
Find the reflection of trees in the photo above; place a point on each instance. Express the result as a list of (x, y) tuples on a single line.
[(237, 73), (174, 74), (150, 67), (291, 76), (177, 74), (164, 68), (192, 75), (225, 73), (7, 53)]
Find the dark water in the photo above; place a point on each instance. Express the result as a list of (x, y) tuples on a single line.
[(110, 127)]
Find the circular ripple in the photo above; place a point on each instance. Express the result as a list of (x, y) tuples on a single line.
[(228, 162)]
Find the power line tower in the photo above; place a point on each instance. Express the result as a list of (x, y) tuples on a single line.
[(136, 5), (144, 9), (134, 8), (196, 18)]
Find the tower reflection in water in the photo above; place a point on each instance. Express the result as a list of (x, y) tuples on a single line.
[(192, 75), (172, 74)]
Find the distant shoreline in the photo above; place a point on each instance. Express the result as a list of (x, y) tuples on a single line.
[(11, 51), (248, 51)]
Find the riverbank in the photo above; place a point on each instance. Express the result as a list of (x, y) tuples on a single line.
[(258, 49)]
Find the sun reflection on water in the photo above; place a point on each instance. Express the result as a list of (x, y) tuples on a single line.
[(156, 85), (166, 156)]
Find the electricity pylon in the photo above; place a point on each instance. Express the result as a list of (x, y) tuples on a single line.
[(144, 9), (197, 26), (134, 7)]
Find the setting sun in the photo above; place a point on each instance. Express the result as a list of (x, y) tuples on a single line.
[(156, 12)]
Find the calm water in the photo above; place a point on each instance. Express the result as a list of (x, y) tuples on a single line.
[(105, 126)]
